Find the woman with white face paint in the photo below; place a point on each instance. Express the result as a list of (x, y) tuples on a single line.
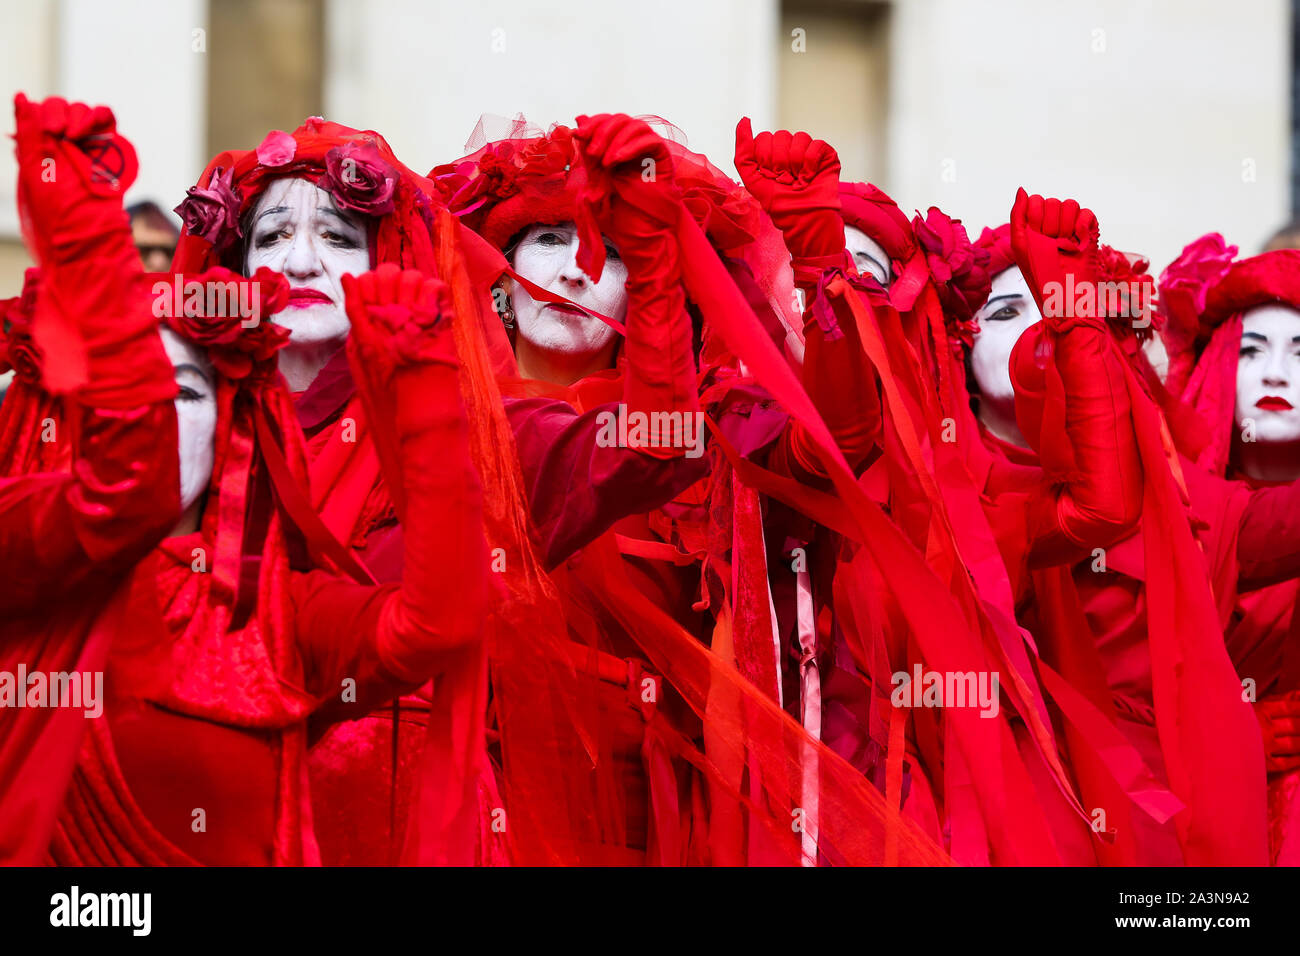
[(1235, 360), (223, 669)]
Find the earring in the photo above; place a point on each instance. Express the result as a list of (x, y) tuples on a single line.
[(508, 317)]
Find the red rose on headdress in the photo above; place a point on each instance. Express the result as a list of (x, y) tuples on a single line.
[(1186, 282), (231, 320), (548, 156), (960, 270), (277, 149), (212, 212), (1136, 288), (359, 178)]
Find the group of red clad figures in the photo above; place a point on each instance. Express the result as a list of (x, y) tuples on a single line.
[(575, 504)]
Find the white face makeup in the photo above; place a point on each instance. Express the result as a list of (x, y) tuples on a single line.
[(548, 256), (1268, 374), (298, 231), (1010, 310), (869, 256), (196, 415)]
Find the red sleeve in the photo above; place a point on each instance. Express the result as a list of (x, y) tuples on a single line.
[(1268, 547), (338, 623), (122, 496), (578, 487), (1099, 500), (842, 383)]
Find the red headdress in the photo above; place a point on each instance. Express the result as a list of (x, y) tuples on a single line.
[(357, 168), (1203, 296), (524, 176)]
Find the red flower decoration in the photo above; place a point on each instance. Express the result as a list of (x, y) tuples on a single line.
[(960, 270), (357, 176), (212, 212), (1137, 288), (277, 149), (230, 318), (1186, 282), (548, 156)]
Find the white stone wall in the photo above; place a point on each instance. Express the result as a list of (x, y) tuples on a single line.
[(1169, 118), (422, 73)]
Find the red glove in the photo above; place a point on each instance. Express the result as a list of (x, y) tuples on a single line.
[(1051, 239), (796, 179), (94, 322), (400, 319), (639, 212), (1279, 720), (629, 188)]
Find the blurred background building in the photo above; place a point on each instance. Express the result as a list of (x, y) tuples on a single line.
[(1169, 117)]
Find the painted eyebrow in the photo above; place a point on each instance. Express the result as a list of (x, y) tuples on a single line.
[(348, 220), (999, 298), (190, 367), (871, 258), (272, 211), (1257, 335)]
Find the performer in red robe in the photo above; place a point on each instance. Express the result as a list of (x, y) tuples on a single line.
[(88, 463), (234, 646), (884, 244), (1110, 626), (1230, 329)]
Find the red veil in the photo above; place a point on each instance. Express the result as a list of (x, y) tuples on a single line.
[(1204, 294)]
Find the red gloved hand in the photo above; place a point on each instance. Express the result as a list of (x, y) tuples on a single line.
[(629, 170), (404, 358), (94, 322), (1051, 239), (73, 170), (629, 190), (796, 179), (1279, 720)]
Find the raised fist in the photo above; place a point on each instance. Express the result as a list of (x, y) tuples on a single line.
[(1053, 238), (398, 311), (629, 195), (73, 170), (796, 179), (624, 147)]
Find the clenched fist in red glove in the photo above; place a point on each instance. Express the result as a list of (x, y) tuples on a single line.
[(397, 309), (796, 179), (629, 188), (1053, 239), (94, 322), (1279, 720), (73, 170)]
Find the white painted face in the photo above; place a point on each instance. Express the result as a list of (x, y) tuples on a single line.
[(548, 256), (1010, 310), (869, 256), (298, 231), (1268, 374), (196, 415)]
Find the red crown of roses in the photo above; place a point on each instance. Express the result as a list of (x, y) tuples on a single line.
[(354, 173)]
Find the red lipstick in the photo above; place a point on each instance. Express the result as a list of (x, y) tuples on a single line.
[(1272, 403), (302, 298)]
